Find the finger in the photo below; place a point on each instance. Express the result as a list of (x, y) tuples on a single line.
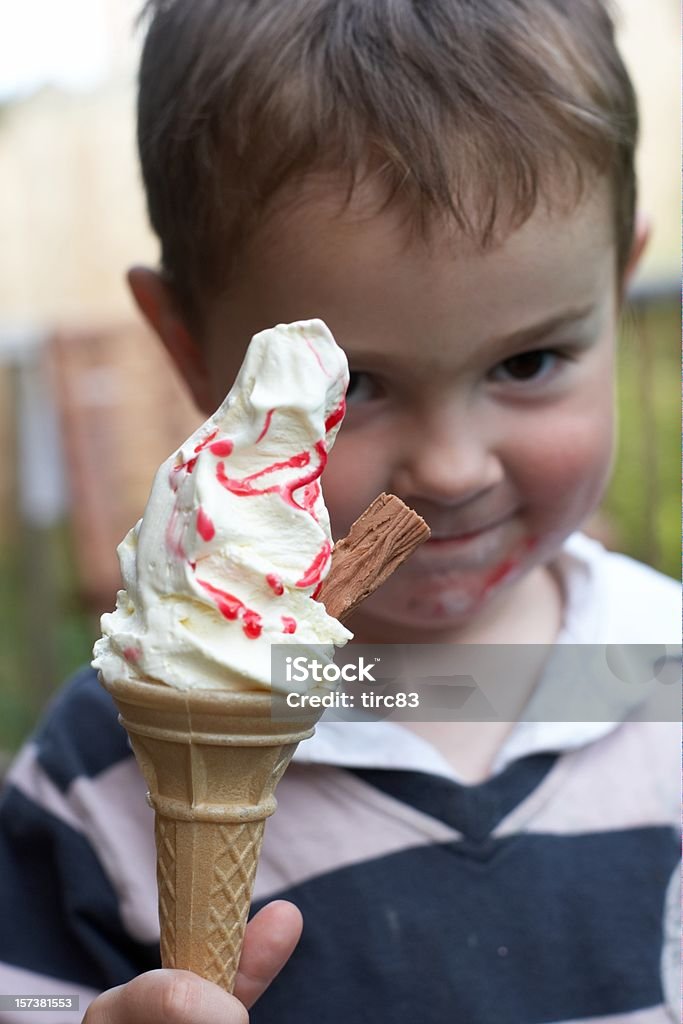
[(270, 940), (166, 997)]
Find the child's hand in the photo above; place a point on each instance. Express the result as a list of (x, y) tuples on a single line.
[(180, 997)]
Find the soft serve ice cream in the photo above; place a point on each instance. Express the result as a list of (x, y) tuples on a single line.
[(235, 541)]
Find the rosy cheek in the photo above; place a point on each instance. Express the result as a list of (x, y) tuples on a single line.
[(354, 476), (569, 466)]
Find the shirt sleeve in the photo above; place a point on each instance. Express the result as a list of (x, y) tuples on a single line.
[(671, 948)]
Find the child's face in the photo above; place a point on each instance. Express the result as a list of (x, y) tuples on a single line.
[(481, 389)]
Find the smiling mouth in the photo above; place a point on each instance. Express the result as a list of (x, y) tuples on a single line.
[(462, 538)]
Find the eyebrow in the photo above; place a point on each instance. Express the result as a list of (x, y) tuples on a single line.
[(545, 327), (524, 336)]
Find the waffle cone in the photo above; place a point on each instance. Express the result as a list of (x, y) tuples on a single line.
[(211, 760)]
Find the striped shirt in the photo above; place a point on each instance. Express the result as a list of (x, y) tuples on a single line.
[(546, 893)]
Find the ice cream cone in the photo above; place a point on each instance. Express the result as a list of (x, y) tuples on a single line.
[(211, 760), (233, 555)]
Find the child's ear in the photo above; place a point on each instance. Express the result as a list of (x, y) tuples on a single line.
[(157, 304), (641, 236)]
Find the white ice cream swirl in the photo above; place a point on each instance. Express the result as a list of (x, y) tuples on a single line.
[(235, 540)]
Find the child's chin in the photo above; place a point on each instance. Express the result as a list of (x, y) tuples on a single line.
[(442, 604), (448, 611), (428, 613)]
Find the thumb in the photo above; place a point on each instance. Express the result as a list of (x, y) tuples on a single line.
[(270, 940)]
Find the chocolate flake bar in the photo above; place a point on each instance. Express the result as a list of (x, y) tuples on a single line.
[(378, 542)]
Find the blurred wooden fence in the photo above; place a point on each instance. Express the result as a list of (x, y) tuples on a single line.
[(123, 411)]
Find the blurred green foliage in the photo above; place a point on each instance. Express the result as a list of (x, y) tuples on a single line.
[(45, 634), (643, 502)]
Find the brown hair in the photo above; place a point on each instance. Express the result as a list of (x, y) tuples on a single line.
[(463, 107)]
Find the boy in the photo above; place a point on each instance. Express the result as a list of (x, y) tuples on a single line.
[(450, 186)]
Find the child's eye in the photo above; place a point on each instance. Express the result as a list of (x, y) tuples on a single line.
[(527, 366), (363, 387)]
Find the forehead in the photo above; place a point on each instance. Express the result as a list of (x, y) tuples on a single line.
[(366, 271)]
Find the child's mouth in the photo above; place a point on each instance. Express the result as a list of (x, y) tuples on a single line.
[(469, 550), (441, 538), (458, 538)]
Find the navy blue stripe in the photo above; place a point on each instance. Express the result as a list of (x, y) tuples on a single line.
[(473, 810), (60, 914), (80, 734), (550, 928)]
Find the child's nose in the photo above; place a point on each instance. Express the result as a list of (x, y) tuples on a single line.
[(449, 460)]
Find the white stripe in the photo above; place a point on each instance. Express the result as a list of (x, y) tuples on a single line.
[(119, 824), (629, 780), (27, 775), (110, 811)]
